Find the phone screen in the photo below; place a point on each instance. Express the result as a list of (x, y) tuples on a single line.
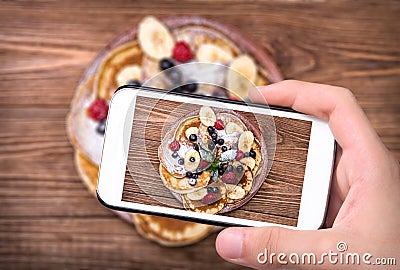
[(216, 160)]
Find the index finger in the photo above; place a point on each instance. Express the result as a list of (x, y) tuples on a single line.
[(336, 105)]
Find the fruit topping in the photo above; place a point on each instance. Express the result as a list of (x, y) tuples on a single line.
[(209, 198), (193, 137), (166, 64), (247, 154), (189, 174), (174, 146), (128, 74), (208, 52), (191, 131), (207, 156), (252, 153), (246, 140), (215, 189), (175, 76), (221, 141), (98, 110), (101, 127), (240, 168), (232, 127), (182, 52), (192, 160), (204, 164), (196, 147), (211, 145), (249, 161), (155, 38), (229, 178), (210, 189), (134, 83), (210, 130), (175, 154), (214, 136), (224, 148), (192, 182), (219, 124), (207, 116), (241, 76), (229, 168), (189, 87), (197, 195), (236, 192), (239, 155), (181, 161)]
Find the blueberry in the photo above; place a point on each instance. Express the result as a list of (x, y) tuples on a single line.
[(239, 168), (199, 171), (189, 174), (192, 159), (224, 148), (211, 129), (101, 127), (252, 153), (134, 83), (214, 141), (181, 161), (192, 182), (190, 87), (229, 168), (195, 176), (196, 147), (177, 89), (221, 171), (220, 141), (166, 64), (211, 145), (193, 137), (215, 189), (175, 154), (175, 76), (214, 136), (246, 154), (210, 189)]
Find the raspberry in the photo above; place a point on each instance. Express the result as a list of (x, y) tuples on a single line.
[(239, 155), (219, 124), (203, 164), (174, 146), (229, 178), (182, 52), (209, 198), (98, 110)]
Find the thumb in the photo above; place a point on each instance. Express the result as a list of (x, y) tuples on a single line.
[(254, 247)]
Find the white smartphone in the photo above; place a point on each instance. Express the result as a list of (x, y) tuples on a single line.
[(215, 161)]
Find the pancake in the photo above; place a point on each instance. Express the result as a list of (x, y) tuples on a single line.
[(181, 185), (234, 166), (170, 232)]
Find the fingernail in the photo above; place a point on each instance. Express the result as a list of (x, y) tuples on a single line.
[(230, 243)]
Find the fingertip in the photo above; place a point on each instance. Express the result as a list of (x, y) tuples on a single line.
[(229, 243)]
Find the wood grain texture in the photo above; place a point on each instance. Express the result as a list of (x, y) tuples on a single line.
[(277, 200), (47, 218)]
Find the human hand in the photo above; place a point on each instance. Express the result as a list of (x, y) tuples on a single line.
[(364, 202)]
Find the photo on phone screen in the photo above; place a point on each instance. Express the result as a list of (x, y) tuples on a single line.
[(219, 159)]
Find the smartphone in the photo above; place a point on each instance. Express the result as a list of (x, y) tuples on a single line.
[(215, 161)]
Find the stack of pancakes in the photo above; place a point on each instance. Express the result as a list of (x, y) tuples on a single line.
[(135, 56)]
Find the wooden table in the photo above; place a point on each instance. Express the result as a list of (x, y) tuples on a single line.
[(47, 218)]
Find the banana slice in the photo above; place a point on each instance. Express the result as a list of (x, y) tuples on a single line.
[(246, 140), (190, 131), (192, 160), (207, 116), (249, 161), (197, 195), (155, 39), (232, 127), (208, 52), (133, 72), (236, 192), (241, 67)]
